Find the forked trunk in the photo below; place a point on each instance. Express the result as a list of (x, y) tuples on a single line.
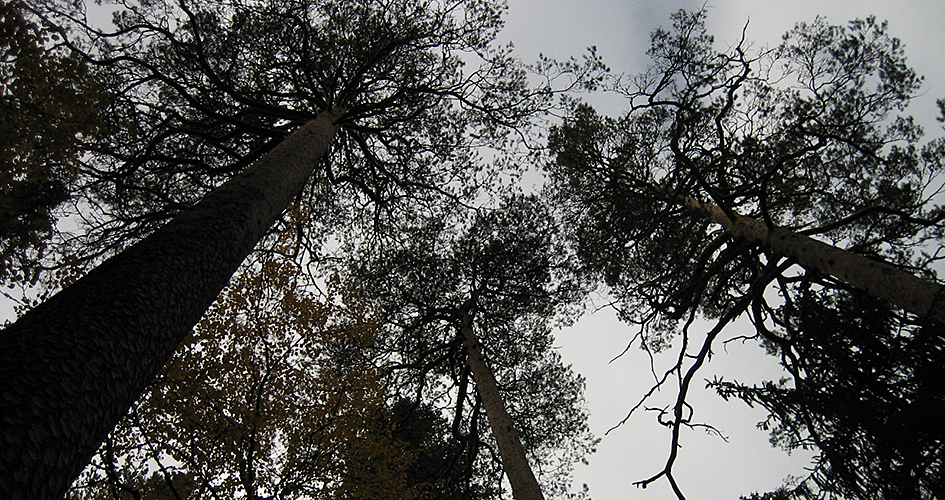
[(521, 478), (879, 279), (71, 367)]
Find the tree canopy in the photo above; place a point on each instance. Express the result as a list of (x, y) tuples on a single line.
[(704, 127), (503, 274), (687, 205), (204, 89), (49, 102), (390, 334)]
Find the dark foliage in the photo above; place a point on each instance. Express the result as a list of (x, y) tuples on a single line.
[(806, 137), (206, 88), (49, 102), (508, 261), (443, 460), (865, 393)]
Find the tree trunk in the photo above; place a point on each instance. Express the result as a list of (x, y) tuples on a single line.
[(71, 367), (879, 279), (522, 479)]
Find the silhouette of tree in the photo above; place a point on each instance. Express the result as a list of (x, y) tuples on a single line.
[(382, 88), (473, 297), (863, 392), (49, 102), (705, 199)]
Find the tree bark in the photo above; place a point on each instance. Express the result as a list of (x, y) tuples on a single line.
[(879, 279), (521, 478), (71, 367)]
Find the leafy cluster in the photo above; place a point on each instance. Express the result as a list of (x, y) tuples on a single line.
[(277, 394), (505, 265), (806, 137), (49, 102), (863, 394)]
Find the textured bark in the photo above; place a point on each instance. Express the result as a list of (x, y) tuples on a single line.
[(879, 279), (70, 368), (521, 478)]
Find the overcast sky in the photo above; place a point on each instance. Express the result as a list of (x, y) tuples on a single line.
[(708, 468)]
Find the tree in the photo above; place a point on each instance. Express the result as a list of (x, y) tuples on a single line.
[(276, 394), (914, 294), (474, 297), (796, 142), (49, 102), (514, 462), (197, 104), (864, 395), (190, 104), (74, 364)]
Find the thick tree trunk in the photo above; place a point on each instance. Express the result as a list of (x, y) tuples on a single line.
[(521, 478), (879, 279), (70, 368)]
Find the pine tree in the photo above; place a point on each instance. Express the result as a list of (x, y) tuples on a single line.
[(387, 110), (735, 176)]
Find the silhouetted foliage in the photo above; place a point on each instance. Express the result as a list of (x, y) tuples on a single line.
[(49, 102), (507, 267), (865, 392), (805, 137), (206, 88), (445, 461)]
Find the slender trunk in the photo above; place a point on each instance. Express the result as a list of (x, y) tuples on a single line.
[(879, 279), (71, 367), (521, 477)]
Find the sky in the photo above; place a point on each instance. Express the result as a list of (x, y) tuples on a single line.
[(708, 467)]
